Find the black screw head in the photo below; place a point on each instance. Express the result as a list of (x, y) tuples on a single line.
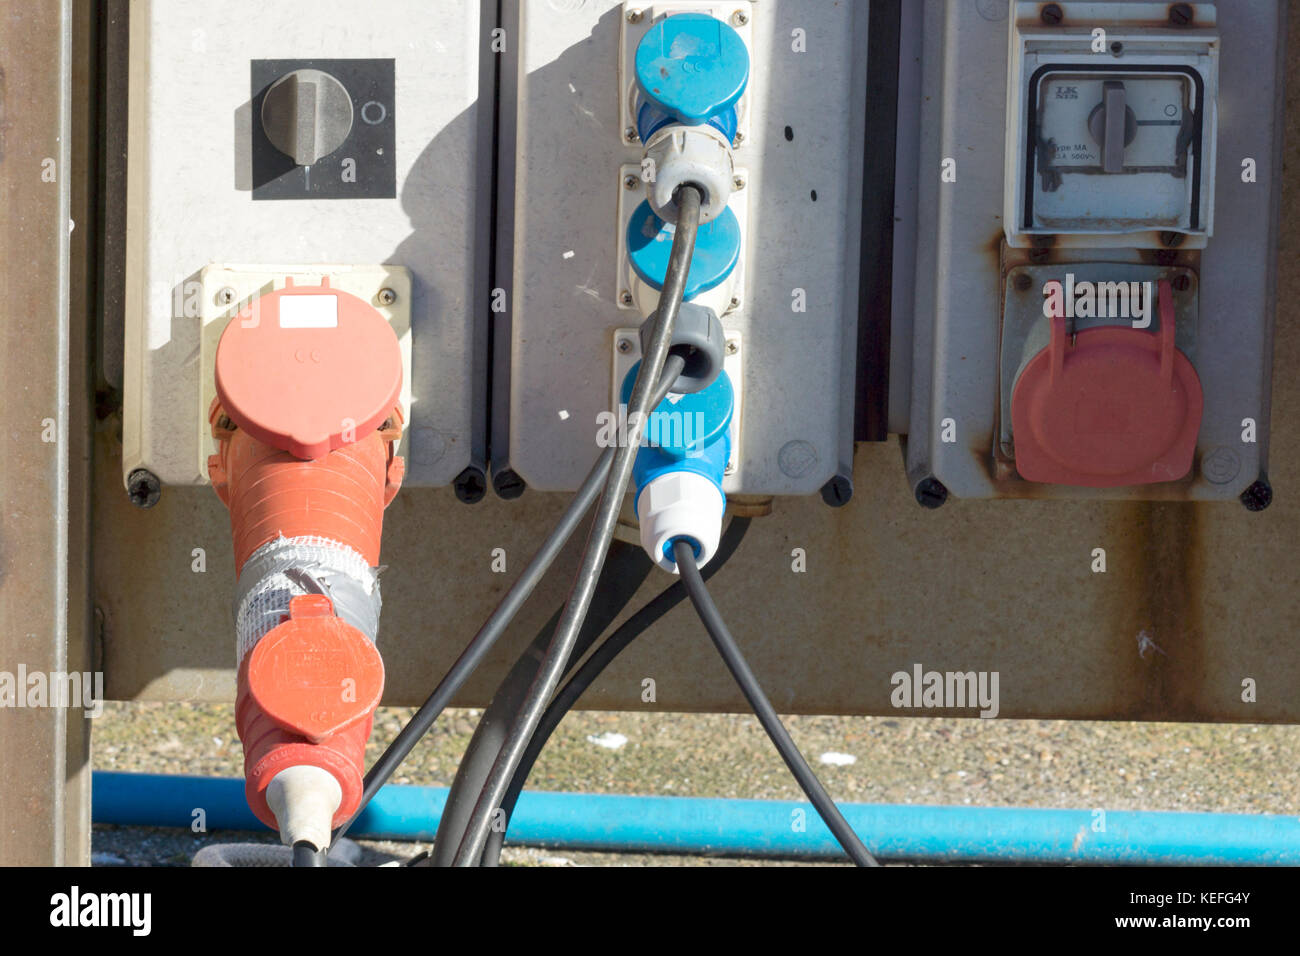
[(1258, 496), (838, 491), (143, 488), (1051, 14), (1181, 282), (1181, 14), (1022, 282), (507, 484), (931, 493), (470, 485)]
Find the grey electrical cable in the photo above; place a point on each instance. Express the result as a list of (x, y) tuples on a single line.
[(498, 717), (625, 570), (594, 666), (497, 623), (655, 354), (684, 553)]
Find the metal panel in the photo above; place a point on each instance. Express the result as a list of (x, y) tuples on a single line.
[(46, 291), (1001, 585), (190, 201), (804, 208)]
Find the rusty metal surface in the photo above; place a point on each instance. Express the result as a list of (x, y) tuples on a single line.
[(983, 585), (44, 521)]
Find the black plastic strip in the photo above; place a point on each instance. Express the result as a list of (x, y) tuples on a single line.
[(871, 412)]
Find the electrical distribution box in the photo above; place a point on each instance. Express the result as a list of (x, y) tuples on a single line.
[(307, 139), (572, 179), (1090, 239)]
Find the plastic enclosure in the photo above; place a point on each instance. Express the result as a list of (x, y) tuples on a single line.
[(1164, 78), (191, 176), (570, 180)]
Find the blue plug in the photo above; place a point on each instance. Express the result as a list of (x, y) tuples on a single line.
[(679, 470)]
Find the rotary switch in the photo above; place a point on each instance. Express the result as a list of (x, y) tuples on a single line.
[(307, 114)]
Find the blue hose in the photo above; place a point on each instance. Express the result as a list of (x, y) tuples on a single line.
[(695, 825)]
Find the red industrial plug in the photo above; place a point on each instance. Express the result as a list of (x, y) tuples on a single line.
[(307, 421)]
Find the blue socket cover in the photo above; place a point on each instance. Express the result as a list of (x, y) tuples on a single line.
[(692, 66), (685, 433), (650, 119), (650, 240)]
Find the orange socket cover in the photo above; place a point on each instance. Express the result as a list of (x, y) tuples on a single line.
[(308, 369), (315, 675), (1117, 406)]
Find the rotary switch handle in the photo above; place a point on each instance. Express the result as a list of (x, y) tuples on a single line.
[(307, 114), (1113, 124)]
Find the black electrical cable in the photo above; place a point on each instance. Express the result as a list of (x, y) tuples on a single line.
[(627, 568), (306, 854), (593, 667), (684, 554), (496, 624), (654, 356)]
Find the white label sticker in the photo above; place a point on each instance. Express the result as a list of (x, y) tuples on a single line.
[(309, 312)]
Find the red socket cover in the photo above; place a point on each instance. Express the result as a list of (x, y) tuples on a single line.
[(308, 369), (315, 674), (307, 696), (1117, 406)]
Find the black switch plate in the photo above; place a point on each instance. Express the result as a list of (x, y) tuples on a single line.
[(370, 145)]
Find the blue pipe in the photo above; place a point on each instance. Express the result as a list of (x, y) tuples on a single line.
[(694, 825)]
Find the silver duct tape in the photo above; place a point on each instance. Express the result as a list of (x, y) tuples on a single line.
[(285, 568)]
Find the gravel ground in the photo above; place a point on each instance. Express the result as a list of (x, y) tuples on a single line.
[(1043, 763)]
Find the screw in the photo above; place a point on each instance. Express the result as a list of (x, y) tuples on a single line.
[(837, 491), (625, 297), (1117, 48), (1172, 239), (470, 485), (624, 346), (143, 488), (386, 297), (226, 296), (634, 16), (630, 181), (1022, 282), (629, 134), (508, 484), (931, 493), (737, 182), (1051, 15), (732, 347), (739, 18), (740, 138), (1180, 14), (1182, 282), (730, 469), (1258, 496), (735, 302)]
